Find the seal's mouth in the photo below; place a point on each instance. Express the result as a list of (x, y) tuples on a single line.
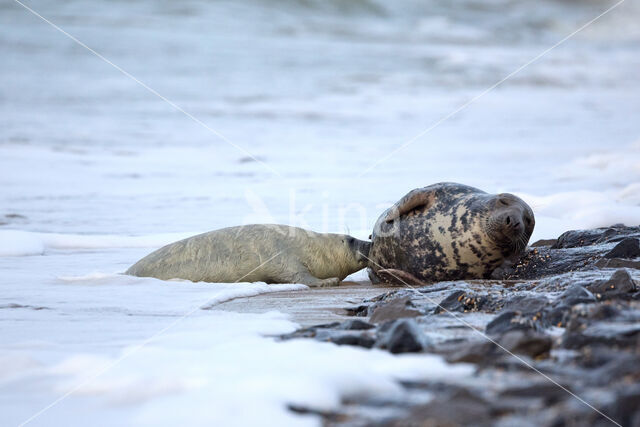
[(510, 243), (510, 231)]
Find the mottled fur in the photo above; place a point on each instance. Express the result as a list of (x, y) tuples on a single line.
[(450, 231), (260, 252)]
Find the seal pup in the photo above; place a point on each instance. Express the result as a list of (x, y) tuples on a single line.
[(258, 253), (449, 231)]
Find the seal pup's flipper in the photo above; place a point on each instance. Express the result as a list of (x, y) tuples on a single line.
[(314, 282), (302, 275), (400, 278), (420, 197)]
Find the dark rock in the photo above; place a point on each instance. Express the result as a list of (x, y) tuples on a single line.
[(452, 302), (402, 336), (627, 248), (619, 285), (360, 340), (358, 310), (526, 303), (543, 261), (576, 294), (395, 309), (463, 301), (547, 390), (343, 337), (356, 325), (544, 242), (530, 343), (625, 408), (596, 356), (478, 352), (621, 366), (577, 250), (328, 416), (617, 263), (508, 321), (461, 408), (583, 331), (556, 316), (581, 238), (577, 238)]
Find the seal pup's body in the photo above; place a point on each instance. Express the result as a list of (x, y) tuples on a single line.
[(258, 253), (449, 231)]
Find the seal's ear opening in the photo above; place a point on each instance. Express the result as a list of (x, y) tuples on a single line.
[(418, 198)]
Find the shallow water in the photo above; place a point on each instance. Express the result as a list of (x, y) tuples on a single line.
[(96, 171)]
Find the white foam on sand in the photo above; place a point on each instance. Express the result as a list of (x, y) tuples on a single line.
[(205, 372)]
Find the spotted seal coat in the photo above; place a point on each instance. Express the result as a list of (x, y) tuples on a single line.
[(258, 253), (449, 231)]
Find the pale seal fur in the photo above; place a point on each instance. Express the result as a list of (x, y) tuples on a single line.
[(450, 231), (258, 253)]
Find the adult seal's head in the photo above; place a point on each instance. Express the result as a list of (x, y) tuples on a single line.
[(450, 231)]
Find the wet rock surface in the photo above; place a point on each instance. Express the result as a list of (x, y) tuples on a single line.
[(562, 322), (580, 250)]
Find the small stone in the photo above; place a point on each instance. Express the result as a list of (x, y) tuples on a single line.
[(576, 294), (619, 285), (548, 391), (507, 321), (402, 336), (625, 408), (627, 248), (395, 309), (478, 352), (529, 343), (460, 408), (356, 325), (617, 263), (526, 303), (360, 340), (452, 302)]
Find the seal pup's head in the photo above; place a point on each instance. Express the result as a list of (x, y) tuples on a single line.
[(335, 255), (510, 222), (359, 248)]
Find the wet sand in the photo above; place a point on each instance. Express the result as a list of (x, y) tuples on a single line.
[(310, 306)]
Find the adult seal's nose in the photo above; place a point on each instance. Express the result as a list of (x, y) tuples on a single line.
[(515, 222)]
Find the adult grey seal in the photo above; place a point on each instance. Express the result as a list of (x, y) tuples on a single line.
[(449, 231), (258, 253)]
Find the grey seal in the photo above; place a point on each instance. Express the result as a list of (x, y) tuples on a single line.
[(449, 231), (258, 253)]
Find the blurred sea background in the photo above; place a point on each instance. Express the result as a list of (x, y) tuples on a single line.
[(311, 113)]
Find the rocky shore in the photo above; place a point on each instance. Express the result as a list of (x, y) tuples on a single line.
[(555, 339)]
